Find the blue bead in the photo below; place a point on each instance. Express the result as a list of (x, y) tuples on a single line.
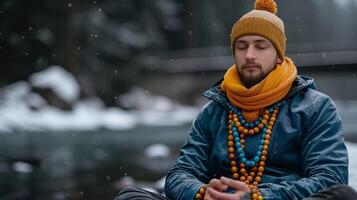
[(235, 134), (261, 142), (263, 135), (271, 110), (260, 147), (256, 123), (265, 130), (256, 159), (240, 150), (241, 155), (243, 160), (259, 153), (242, 121)]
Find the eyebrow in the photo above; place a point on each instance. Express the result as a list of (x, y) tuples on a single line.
[(255, 41)]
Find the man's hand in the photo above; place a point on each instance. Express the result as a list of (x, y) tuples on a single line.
[(216, 187)]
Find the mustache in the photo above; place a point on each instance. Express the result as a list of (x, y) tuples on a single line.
[(251, 64)]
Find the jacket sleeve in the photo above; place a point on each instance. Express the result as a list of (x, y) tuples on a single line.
[(189, 172), (323, 154)]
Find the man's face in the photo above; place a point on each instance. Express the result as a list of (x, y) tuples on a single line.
[(255, 57)]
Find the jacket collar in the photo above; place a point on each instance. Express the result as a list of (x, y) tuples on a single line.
[(300, 84)]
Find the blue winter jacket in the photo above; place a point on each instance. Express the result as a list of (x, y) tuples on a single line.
[(306, 152)]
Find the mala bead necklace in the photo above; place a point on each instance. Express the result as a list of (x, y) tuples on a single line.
[(251, 170)]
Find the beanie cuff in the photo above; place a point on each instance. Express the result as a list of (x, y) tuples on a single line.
[(262, 27)]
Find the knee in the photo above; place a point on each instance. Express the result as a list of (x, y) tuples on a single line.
[(127, 193)]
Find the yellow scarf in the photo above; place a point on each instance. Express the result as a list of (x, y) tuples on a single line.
[(270, 90)]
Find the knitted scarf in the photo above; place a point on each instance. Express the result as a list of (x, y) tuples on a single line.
[(270, 90)]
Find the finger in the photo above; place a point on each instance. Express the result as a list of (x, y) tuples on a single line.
[(237, 185), (217, 185), (216, 195)]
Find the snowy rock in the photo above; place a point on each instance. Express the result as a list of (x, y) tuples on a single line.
[(157, 150), (59, 80)]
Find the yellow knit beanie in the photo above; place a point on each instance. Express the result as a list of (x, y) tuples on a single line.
[(264, 22)]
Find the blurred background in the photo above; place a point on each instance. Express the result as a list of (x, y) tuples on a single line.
[(99, 95)]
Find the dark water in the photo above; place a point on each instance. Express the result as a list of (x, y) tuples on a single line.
[(83, 165)]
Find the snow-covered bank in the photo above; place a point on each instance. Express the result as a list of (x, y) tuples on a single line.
[(22, 109), (352, 151)]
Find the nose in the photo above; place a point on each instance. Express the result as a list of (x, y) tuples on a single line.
[(250, 53)]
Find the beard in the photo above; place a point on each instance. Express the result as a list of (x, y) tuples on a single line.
[(249, 79)]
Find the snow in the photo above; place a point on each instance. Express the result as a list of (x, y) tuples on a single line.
[(59, 80), (23, 110), (352, 151)]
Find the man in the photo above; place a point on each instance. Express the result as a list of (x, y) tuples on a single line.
[(266, 133)]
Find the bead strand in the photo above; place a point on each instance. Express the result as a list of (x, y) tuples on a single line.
[(250, 171)]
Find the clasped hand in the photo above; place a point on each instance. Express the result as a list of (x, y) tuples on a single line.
[(216, 189)]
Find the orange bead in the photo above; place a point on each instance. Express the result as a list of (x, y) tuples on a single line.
[(242, 141), (255, 183), (250, 179), (251, 132), (265, 147), (252, 174), (238, 124), (240, 129), (198, 196), (262, 163), (231, 149), (274, 115), (254, 196), (230, 132), (231, 156), (260, 174), (230, 117), (234, 169), (235, 115), (242, 146), (202, 190), (268, 132), (235, 119), (260, 126), (258, 179), (230, 137), (243, 171), (242, 178), (254, 169), (273, 119), (266, 142), (229, 121), (264, 121), (235, 175), (230, 126), (276, 111), (270, 127), (261, 169), (245, 131), (260, 197), (263, 158), (256, 129), (264, 152), (267, 137), (267, 112), (230, 143), (266, 116), (242, 165), (271, 123), (233, 163)]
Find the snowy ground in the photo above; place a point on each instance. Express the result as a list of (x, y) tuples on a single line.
[(352, 151)]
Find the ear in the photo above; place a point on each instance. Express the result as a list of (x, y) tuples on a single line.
[(279, 60)]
